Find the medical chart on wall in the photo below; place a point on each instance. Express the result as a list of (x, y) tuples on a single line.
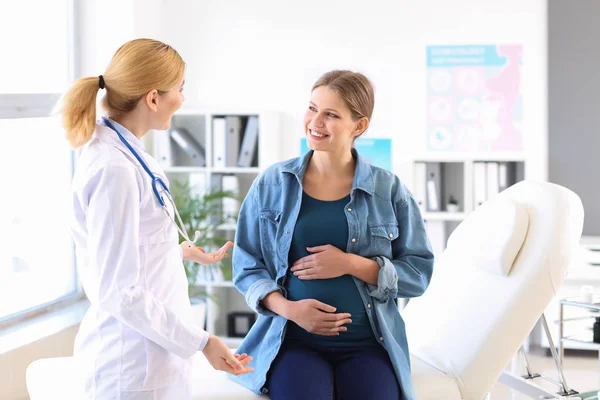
[(474, 100)]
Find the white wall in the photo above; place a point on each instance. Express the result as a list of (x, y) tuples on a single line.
[(266, 54), (104, 25)]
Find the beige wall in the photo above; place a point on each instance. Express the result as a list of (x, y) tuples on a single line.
[(13, 364)]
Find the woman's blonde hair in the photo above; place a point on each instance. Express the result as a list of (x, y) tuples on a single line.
[(138, 67)]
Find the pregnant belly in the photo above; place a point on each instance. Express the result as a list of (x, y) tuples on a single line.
[(340, 293)]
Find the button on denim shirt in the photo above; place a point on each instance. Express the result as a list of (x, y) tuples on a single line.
[(384, 224)]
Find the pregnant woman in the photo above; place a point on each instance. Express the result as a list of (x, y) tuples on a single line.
[(324, 246)]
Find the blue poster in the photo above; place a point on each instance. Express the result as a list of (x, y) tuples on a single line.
[(377, 152)]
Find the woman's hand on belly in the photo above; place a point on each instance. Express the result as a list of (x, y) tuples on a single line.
[(318, 318), (326, 262)]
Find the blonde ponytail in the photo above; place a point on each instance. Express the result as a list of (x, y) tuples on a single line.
[(78, 109), (139, 66)]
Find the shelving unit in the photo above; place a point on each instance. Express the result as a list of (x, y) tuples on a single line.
[(455, 175), (202, 172), (444, 216), (459, 180)]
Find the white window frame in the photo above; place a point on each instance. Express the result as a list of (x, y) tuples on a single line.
[(34, 105), (40, 105)]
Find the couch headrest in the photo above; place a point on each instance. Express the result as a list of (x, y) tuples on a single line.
[(491, 236)]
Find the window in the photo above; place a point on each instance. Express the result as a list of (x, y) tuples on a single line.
[(35, 52), (36, 252)]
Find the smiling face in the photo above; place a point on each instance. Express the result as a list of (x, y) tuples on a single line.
[(328, 122)]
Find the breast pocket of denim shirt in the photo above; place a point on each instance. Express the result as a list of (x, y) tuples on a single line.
[(269, 222), (382, 237)]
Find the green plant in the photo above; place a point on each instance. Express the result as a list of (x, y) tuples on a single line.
[(452, 200), (202, 212)]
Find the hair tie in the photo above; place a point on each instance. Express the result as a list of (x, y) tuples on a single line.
[(101, 83)]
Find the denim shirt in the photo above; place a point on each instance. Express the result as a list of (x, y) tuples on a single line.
[(384, 224)]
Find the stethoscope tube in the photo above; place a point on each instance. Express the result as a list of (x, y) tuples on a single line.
[(155, 179), (155, 182)]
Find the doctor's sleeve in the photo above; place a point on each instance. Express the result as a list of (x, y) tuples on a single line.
[(113, 223), (250, 274), (409, 271)]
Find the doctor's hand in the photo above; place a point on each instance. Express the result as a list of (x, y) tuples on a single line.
[(222, 359), (326, 262), (199, 255), (319, 318)]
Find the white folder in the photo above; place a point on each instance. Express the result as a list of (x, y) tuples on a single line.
[(198, 183), (433, 186), (503, 176), (162, 144), (231, 207), (493, 187), (436, 231), (419, 185), (479, 184), (219, 135)]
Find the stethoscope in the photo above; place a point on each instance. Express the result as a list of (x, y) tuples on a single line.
[(158, 185)]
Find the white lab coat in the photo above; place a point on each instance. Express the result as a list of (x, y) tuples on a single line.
[(138, 335)]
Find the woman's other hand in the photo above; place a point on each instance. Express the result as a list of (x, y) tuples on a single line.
[(199, 255), (222, 359)]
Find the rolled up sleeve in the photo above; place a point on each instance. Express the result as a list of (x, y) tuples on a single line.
[(409, 271), (257, 292)]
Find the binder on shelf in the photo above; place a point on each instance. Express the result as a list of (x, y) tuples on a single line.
[(219, 138), (506, 175), (419, 186), (434, 196), (249, 143), (198, 183), (493, 188), (232, 141), (186, 141), (479, 184), (216, 185), (217, 274), (212, 315), (231, 206), (164, 151), (502, 176)]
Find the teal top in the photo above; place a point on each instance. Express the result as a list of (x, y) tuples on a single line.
[(324, 222)]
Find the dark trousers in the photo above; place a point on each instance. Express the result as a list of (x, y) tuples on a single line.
[(304, 372)]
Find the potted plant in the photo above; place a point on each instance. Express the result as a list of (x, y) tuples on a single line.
[(452, 205), (202, 212)]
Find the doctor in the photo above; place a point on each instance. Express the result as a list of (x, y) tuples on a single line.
[(137, 338)]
